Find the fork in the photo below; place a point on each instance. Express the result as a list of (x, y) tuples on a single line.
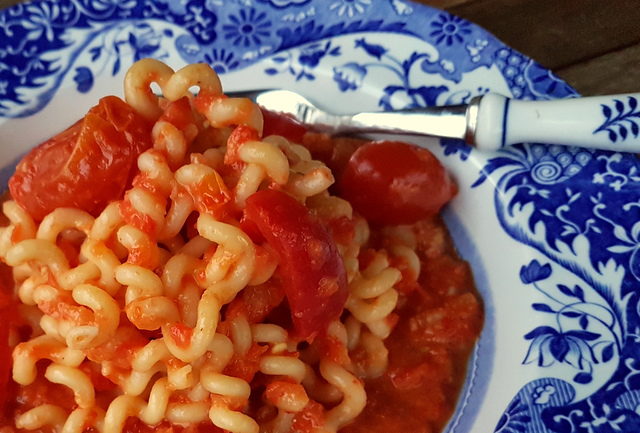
[(488, 122)]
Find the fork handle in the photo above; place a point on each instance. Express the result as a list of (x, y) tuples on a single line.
[(602, 122)]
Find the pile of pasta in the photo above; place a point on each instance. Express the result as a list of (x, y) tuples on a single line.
[(168, 311)]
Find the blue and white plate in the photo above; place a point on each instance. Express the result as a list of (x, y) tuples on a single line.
[(552, 233)]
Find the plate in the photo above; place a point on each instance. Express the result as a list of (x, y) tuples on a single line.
[(552, 233)]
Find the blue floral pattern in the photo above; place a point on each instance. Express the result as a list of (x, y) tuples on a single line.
[(449, 29), (34, 32), (249, 27), (622, 119), (527, 79), (572, 339), (591, 326), (301, 62), (349, 7), (221, 60), (577, 210), (402, 93)]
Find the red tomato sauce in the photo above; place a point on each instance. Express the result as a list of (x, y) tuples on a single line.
[(439, 322)]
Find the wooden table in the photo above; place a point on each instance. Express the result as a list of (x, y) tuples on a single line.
[(593, 44)]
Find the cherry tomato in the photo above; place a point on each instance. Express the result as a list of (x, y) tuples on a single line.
[(313, 274), (390, 182), (86, 166), (281, 124)]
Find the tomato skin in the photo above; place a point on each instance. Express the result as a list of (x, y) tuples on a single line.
[(390, 182), (256, 302), (311, 419), (85, 166), (246, 366), (240, 135), (181, 334), (289, 392), (313, 274), (281, 124), (179, 114)]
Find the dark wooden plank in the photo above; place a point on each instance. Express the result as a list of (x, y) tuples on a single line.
[(615, 72), (558, 33), (7, 3)]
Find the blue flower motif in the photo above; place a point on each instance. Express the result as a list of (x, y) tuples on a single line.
[(349, 76), (308, 59), (374, 50), (144, 42), (222, 60), (201, 22), (40, 19), (312, 54), (450, 29), (83, 79), (548, 346), (248, 27), (534, 272), (452, 146), (350, 7)]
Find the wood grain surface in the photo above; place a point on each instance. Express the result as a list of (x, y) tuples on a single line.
[(593, 44)]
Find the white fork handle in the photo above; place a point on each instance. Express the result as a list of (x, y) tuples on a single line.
[(602, 122)]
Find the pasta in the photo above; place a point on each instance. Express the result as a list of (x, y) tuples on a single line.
[(175, 305)]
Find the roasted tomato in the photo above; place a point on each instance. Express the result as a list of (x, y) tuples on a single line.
[(86, 166), (390, 182), (312, 271), (281, 124)]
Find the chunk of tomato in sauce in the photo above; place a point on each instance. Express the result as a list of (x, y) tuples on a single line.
[(6, 313), (310, 419), (313, 274), (395, 183), (239, 136), (135, 425), (87, 165), (429, 348)]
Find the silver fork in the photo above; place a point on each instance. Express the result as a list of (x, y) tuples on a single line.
[(488, 122), (396, 122)]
